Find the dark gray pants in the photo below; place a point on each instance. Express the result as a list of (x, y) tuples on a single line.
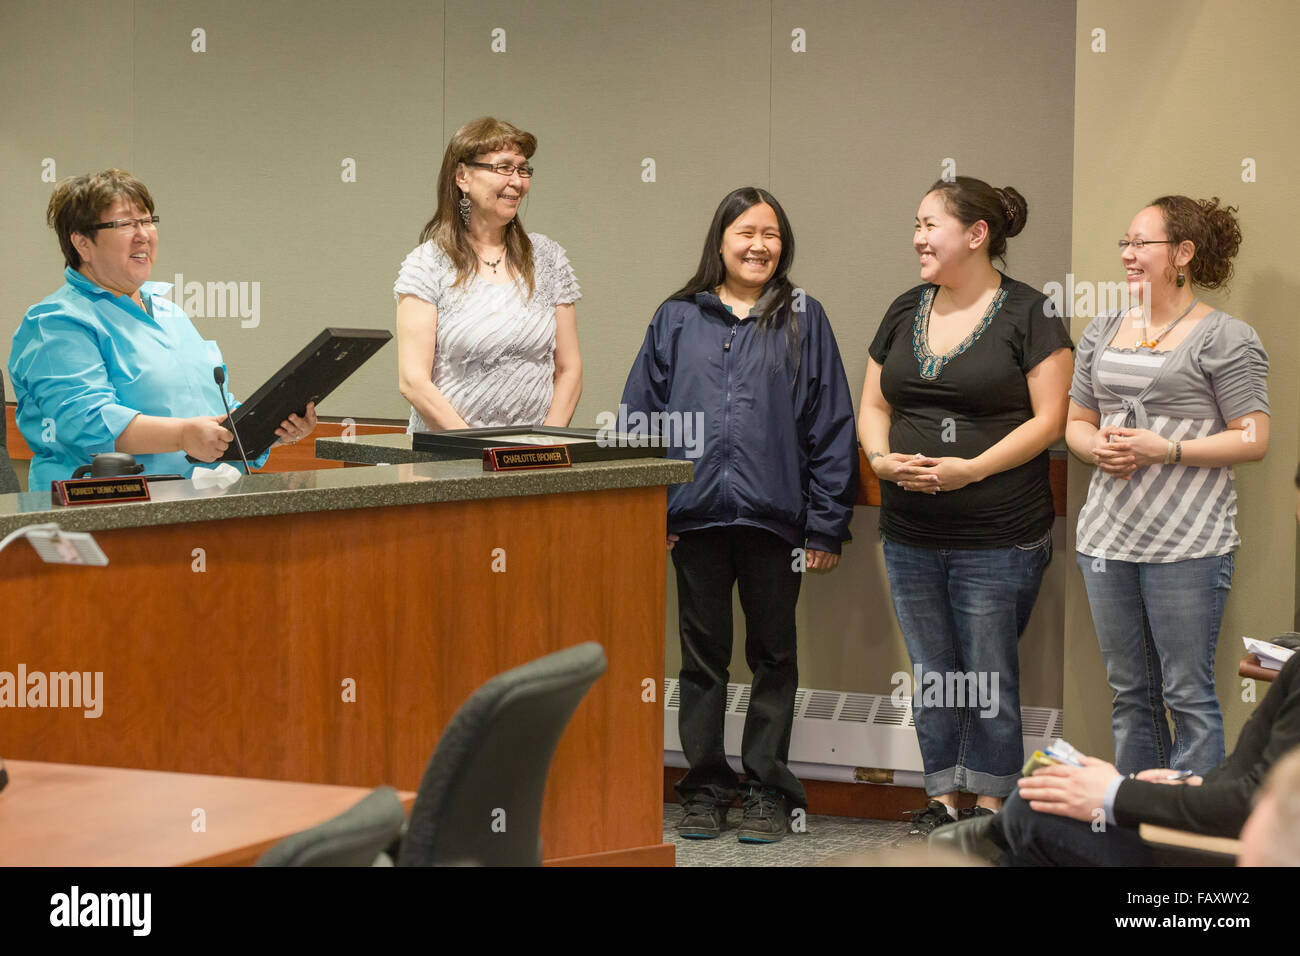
[(709, 564)]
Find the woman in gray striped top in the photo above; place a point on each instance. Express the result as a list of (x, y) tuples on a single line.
[(1166, 398)]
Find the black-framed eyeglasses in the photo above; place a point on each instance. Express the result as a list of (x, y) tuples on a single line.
[(505, 169), (147, 223), (1139, 243)]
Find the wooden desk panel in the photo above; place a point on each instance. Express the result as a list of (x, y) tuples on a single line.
[(55, 814), (241, 668), (18, 449)]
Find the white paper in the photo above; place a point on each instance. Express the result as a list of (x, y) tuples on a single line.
[(223, 476), (1271, 656)]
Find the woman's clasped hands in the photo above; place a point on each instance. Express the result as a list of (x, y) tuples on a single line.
[(921, 473), (1121, 451)]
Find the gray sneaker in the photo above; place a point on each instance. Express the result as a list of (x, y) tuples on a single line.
[(703, 818), (766, 817)]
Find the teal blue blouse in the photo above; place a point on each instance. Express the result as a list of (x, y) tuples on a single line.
[(85, 362)]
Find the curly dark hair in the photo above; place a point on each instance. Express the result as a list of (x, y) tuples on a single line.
[(1211, 227)]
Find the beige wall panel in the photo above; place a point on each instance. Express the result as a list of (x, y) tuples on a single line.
[(1183, 93), (243, 147), (861, 123), (65, 95)]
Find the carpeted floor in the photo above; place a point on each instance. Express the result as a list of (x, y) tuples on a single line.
[(837, 840)]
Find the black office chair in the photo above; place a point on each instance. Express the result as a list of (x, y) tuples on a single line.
[(480, 802), (355, 837)]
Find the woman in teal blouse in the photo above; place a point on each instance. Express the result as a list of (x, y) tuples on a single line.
[(108, 362)]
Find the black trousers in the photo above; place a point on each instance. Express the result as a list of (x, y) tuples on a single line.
[(1033, 838), (709, 564)]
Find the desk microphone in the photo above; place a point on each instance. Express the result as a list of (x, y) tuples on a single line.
[(219, 376)]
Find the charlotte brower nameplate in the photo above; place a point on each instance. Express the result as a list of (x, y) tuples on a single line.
[(93, 491), (522, 459)]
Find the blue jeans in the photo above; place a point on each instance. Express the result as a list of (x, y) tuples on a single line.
[(962, 612), (1158, 626)]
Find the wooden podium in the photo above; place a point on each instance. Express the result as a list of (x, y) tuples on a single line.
[(332, 644)]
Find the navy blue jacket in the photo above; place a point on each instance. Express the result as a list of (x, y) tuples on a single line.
[(778, 452)]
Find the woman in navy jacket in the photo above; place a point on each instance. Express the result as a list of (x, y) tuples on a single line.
[(752, 363)]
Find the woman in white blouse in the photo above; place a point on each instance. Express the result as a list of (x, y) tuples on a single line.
[(487, 333)]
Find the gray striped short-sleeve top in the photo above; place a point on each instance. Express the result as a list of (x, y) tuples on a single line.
[(1166, 513), (495, 355)]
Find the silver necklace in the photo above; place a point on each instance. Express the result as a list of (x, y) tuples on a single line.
[(1149, 343)]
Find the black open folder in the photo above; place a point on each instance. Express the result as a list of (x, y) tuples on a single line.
[(327, 361)]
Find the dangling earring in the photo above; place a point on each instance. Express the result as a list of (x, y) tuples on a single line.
[(1181, 280), (464, 209)]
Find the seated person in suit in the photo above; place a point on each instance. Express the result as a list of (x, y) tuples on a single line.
[(8, 480), (108, 362), (1271, 836), (1089, 815)]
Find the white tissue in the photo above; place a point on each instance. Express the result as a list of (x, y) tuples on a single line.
[(223, 476)]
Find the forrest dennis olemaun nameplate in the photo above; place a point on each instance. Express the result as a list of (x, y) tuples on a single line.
[(522, 458), (96, 491)]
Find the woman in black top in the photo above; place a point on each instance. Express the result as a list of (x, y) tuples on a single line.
[(967, 386)]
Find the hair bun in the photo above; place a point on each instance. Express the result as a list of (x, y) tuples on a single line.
[(972, 200), (1014, 208)]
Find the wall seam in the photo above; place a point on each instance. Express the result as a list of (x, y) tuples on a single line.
[(443, 127), (135, 87), (771, 81)]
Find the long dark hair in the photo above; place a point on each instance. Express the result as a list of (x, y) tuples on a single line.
[(775, 306)]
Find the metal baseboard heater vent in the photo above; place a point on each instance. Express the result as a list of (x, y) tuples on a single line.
[(865, 738)]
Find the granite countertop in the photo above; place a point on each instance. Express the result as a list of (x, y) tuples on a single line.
[(390, 449), (178, 502), (395, 448)]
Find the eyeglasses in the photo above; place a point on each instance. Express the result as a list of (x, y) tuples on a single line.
[(505, 169), (147, 223), (1139, 243)]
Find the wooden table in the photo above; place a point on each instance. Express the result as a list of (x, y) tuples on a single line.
[(1185, 839), (55, 814), (1251, 667)]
